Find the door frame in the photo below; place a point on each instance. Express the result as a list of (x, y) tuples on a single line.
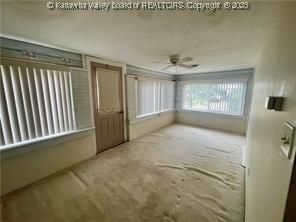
[(88, 61)]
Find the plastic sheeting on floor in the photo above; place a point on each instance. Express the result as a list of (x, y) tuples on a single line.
[(178, 173)]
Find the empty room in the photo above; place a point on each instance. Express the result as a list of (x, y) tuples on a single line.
[(148, 111)]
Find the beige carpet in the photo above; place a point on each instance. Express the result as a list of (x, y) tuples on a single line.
[(179, 173)]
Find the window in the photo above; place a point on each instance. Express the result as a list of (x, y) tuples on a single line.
[(147, 97), (36, 100), (153, 96), (226, 97), (167, 96)]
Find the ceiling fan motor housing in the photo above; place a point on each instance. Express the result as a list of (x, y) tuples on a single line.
[(174, 59)]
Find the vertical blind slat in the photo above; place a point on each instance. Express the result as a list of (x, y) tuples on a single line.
[(156, 97), (48, 107), (40, 80), (10, 104), (4, 116), (26, 102), (68, 99), (59, 101), (242, 98), (2, 142), (53, 102), (237, 95), (225, 97), (34, 102), (64, 101), (18, 102), (71, 103), (221, 96)]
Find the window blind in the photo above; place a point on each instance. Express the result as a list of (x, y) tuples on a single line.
[(35, 101), (80, 92), (154, 96), (167, 96), (219, 96), (147, 92)]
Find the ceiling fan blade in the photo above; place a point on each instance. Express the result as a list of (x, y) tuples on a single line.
[(188, 66), (161, 62), (186, 59), (169, 66)]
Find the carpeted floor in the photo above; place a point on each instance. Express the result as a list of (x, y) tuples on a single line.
[(178, 173)]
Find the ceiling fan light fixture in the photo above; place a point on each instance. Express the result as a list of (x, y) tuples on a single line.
[(177, 61)]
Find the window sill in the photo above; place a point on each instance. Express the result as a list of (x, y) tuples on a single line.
[(224, 115), (20, 148), (150, 116)]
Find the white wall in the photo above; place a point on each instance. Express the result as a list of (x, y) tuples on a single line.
[(149, 125), (269, 171), (21, 170), (211, 120)]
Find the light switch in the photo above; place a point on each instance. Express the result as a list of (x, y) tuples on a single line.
[(288, 139)]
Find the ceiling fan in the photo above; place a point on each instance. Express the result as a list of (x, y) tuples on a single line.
[(175, 61)]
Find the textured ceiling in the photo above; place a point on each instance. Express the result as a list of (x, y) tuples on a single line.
[(217, 41)]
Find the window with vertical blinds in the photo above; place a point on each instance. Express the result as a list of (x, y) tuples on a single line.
[(154, 96), (167, 96), (147, 97), (35, 101), (225, 96)]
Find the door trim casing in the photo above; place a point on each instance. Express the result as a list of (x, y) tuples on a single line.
[(89, 60)]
